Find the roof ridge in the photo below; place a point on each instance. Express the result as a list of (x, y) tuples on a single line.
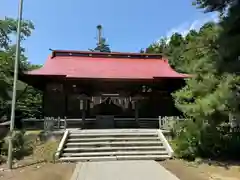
[(105, 54)]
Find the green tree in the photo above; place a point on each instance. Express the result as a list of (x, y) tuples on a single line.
[(230, 35), (171, 48), (209, 96), (210, 93), (29, 101), (159, 47), (176, 47), (142, 51), (214, 5), (8, 28)]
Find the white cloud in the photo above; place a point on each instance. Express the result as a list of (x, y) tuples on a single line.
[(187, 26)]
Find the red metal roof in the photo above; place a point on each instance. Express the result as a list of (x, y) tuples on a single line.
[(74, 64)]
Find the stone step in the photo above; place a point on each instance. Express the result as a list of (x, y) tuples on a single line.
[(76, 139), (75, 159), (143, 157), (132, 143), (105, 131), (126, 148), (114, 144), (109, 158), (112, 134), (119, 153)]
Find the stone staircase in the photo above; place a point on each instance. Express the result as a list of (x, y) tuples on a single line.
[(113, 144)]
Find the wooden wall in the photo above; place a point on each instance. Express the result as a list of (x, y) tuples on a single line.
[(60, 102)]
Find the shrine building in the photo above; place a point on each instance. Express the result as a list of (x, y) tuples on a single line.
[(106, 90)]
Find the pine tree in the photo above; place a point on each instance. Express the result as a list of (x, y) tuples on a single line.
[(102, 46)]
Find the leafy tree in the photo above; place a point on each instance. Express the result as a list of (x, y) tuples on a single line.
[(8, 28), (171, 48), (176, 47), (158, 47), (29, 101), (214, 5), (209, 96), (212, 95), (230, 35)]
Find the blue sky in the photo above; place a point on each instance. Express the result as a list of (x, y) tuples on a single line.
[(128, 25)]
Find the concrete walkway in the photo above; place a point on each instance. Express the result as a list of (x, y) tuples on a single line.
[(122, 170)]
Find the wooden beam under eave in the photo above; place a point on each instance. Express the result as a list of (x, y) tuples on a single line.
[(37, 82)]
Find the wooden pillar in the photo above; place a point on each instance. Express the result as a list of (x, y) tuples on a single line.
[(83, 101), (66, 106), (66, 101), (43, 103), (136, 112)]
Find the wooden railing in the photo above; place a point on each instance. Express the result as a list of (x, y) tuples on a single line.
[(54, 123), (50, 124), (167, 122)]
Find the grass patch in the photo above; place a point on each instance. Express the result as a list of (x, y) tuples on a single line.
[(34, 132), (30, 146), (46, 151)]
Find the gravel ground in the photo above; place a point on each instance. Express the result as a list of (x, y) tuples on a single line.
[(203, 170)]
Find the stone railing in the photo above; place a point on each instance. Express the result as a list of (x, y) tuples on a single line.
[(61, 144)]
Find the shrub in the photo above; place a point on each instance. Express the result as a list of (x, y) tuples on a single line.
[(208, 141), (3, 159), (211, 145), (233, 145), (187, 140), (21, 145)]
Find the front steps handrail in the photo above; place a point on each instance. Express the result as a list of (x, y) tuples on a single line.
[(165, 143), (61, 144)]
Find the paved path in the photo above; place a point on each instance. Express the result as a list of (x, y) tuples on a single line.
[(122, 170)]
